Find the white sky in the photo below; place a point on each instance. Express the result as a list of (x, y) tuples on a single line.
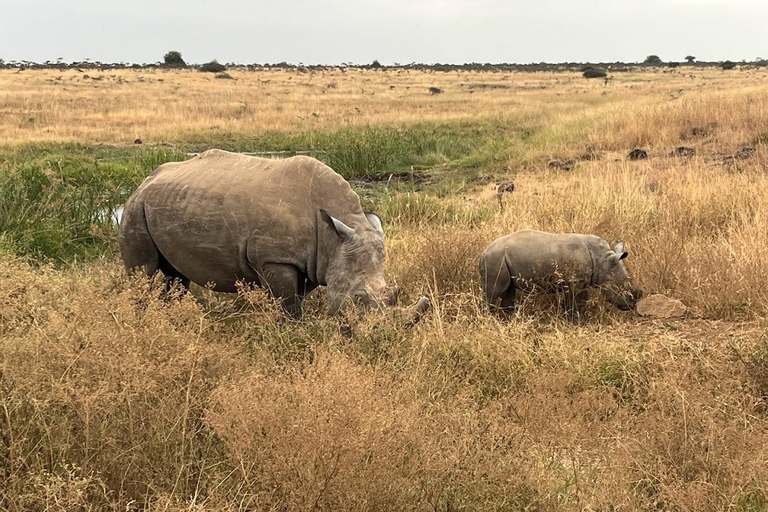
[(359, 31)]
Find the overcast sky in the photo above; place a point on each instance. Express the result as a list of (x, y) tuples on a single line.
[(359, 31)]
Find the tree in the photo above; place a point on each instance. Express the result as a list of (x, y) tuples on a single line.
[(376, 64), (173, 59), (653, 60), (728, 65), (690, 59)]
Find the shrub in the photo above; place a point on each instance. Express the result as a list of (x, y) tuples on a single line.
[(435, 90), (595, 73), (213, 67), (173, 59), (225, 76), (728, 65), (653, 60)]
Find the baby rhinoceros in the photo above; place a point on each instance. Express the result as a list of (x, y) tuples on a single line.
[(537, 262)]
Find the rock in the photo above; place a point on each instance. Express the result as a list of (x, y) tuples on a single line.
[(566, 166), (638, 154), (660, 306), (684, 151), (137, 141), (554, 164), (506, 187), (745, 152)]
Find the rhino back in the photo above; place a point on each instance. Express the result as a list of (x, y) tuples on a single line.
[(536, 258), (205, 212)]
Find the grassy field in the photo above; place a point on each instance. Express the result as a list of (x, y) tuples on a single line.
[(114, 398)]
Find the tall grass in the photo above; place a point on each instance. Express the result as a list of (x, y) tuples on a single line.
[(114, 396), (57, 201)]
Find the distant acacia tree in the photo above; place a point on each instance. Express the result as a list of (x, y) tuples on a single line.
[(690, 59), (728, 65), (376, 64), (174, 59), (654, 60)]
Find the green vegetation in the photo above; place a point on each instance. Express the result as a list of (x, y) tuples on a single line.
[(591, 72), (173, 59), (213, 67), (56, 200)]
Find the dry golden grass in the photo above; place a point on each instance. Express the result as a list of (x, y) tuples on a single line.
[(118, 106), (115, 398)]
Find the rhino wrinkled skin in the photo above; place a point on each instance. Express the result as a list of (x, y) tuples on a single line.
[(538, 262), (286, 225)]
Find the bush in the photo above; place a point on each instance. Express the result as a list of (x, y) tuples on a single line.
[(213, 67), (728, 65), (595, 73), (653, 60), (435, 90), (173, 59), (225, 76)]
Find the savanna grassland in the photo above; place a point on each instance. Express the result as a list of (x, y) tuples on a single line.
[(115, 397)]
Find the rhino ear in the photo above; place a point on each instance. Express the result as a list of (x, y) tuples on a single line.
[(375, 222), (618, 249), (344, 231)]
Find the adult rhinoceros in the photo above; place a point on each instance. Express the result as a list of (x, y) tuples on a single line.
[(286, 225), (538, 262)]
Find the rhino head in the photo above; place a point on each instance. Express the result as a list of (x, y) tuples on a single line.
[(355, 270), (613, 278)]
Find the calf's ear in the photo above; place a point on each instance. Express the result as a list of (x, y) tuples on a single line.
[(619, 250)]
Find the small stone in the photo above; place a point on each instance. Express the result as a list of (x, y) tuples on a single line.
[(506, 187), (745, 152), (137, 141), (555, 164), (684, 152), (660, 306)]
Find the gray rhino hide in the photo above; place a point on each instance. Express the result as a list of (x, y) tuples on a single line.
[(535, 261), (223, 217)]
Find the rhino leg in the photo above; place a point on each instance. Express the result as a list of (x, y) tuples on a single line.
[(139, 251), (284, 282), (173, 275)]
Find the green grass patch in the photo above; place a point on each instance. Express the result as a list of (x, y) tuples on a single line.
[(360, 151), (56, 200)]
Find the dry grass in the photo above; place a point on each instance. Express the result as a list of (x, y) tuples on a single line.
[(113, 397), (119, 106)]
